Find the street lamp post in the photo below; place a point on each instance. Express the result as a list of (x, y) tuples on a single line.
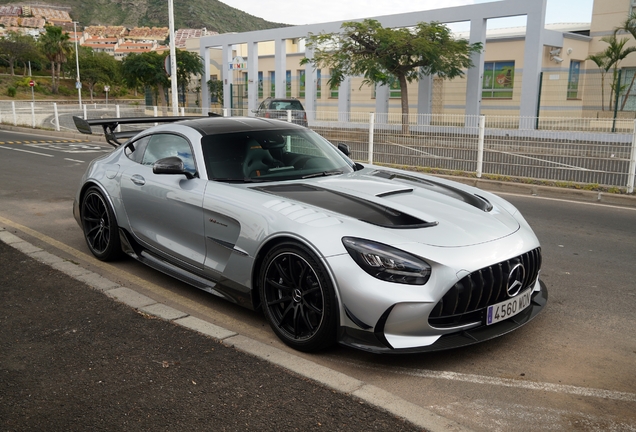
[(173, 60), (78, 83)]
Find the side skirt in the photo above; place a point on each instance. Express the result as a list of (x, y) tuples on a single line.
[(223, 290)]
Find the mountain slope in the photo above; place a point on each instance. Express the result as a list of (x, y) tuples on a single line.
[(211, 14)]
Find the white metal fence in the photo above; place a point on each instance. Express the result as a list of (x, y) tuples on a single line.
[(590, 151)]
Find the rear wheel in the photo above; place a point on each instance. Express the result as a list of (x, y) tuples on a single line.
[(298, 298), (100, 227)]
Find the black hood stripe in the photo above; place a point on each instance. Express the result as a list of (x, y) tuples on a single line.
[(347, 205)]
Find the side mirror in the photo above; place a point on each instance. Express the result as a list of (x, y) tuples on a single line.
[(171, 165), (344, 149)]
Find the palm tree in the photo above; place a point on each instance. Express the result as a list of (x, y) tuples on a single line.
[(56, 47), (628, 26), (604, 65), (615, 53)]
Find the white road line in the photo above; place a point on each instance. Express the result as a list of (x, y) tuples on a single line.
[(73, 160), (27, 151), (504, 382)]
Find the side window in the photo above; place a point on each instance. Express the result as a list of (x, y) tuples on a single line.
[(135, 150), (166, 145)]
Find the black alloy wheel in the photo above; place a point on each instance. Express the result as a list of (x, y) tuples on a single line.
[(298, 298), (100, 227)]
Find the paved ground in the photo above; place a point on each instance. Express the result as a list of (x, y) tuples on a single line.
[(71, 358)]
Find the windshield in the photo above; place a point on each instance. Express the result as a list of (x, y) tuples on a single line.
[(271, 155)]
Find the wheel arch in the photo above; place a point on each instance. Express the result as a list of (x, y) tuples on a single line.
[(86, 186), (272, 242)]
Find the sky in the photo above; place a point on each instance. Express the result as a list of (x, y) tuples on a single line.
[(317, 11)]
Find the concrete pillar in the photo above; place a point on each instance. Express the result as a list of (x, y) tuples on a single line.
[(227, 76), (532, 61), (252, 78), (344, 99), (425, 100), (310, 86), (280, 60), (475, 74), (381, 104), (204, 52)]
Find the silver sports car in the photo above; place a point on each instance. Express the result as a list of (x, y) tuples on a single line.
[(270, 215)]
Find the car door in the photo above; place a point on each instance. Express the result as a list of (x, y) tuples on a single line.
[(165, 210)]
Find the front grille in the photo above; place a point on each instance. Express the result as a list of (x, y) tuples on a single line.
[(467, 300)]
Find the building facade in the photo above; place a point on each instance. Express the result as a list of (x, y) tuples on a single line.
[(530, 71)]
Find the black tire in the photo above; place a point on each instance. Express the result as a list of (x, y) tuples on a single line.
[(298, 298), (100, 226)]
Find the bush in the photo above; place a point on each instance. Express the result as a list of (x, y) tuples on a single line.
[(65, 91), (11, 91)]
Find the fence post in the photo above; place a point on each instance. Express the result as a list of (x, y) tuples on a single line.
[(32, 115), (85, 113), (371, 127), (57, 117), (15, 117), (118, 129), (224, 112), (632, 163), (480, 145), (289, 116), (182, 112), (156, 114)]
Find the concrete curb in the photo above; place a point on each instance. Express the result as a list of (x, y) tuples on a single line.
[(337, 381)]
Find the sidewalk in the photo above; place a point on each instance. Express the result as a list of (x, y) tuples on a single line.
[(78, 352)]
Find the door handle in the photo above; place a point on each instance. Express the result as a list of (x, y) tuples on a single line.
[(138, 180)]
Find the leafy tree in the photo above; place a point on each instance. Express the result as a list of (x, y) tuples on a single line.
[(216, 90), (604, 65), (382, 54), (18, 48), (96, 68), (616, 53), (55, 45), (146, 70), (188, 64)]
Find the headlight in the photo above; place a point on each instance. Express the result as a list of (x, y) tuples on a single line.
[(387, 263)]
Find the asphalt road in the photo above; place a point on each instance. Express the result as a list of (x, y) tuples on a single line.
[(574, 367)]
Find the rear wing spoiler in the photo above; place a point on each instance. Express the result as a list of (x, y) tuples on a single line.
[(110, 125)]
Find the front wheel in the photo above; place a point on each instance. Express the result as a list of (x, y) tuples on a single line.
[(100, 227), (298, 298)]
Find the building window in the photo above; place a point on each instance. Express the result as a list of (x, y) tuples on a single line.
[(301, 83), (288, 84), (333, 94), (272, 84), (632, 8), (318, 83), (573, 80), (499, 78), (260, 84), (394, 88)]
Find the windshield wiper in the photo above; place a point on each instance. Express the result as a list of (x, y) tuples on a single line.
[(324, 174)]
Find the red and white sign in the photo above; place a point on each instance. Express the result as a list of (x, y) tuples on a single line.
[(32, 83)]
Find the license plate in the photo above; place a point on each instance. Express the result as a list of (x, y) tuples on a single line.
[(508, 308)]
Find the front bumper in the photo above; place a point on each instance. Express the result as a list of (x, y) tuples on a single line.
[(377, 343)]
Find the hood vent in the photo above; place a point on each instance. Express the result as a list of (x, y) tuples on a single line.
[(347, 205), (473, 200)]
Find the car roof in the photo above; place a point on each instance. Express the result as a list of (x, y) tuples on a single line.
[(223, 125)]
